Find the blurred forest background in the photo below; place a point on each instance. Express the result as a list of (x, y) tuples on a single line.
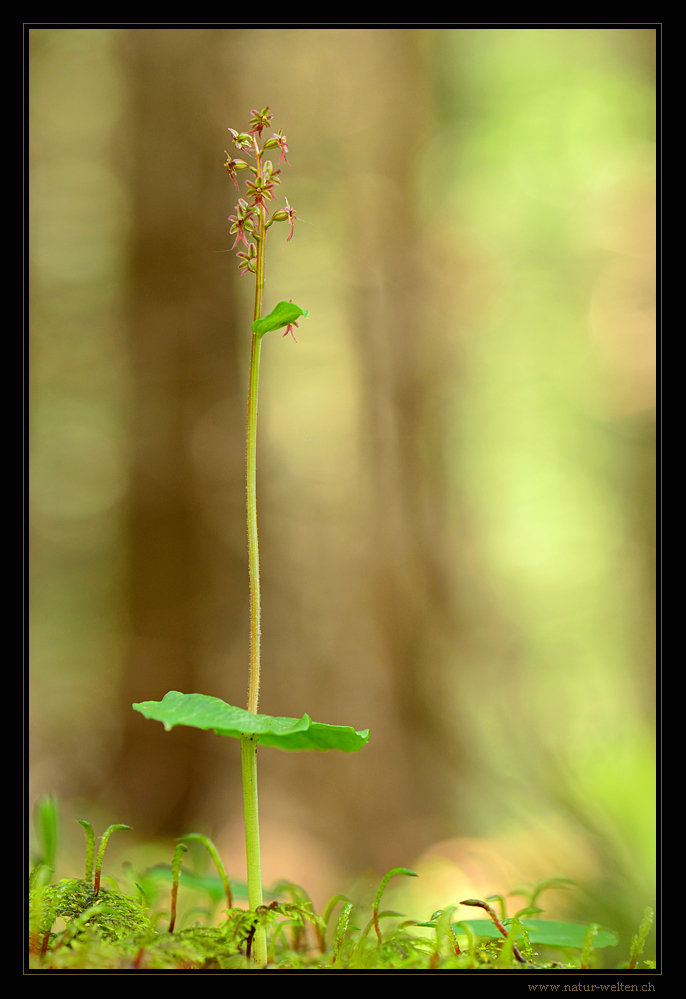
[(456, 461)]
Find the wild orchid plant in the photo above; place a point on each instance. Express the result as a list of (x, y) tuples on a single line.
[(122, 919), (249, 225)]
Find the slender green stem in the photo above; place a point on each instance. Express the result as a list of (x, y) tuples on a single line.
[(249, 743), (251, 461), (252, 840), (253, 545)]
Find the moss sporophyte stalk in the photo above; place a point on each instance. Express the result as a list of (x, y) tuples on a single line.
[(249, 225)]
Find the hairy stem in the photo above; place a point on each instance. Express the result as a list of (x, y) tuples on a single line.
[(253, 545), (249, 743), (251, 463)]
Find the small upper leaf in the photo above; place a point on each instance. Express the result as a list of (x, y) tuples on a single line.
[(205, 712), (283, 314)]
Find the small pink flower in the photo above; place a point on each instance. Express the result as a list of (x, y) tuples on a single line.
[(231, 169), (233, 166), (291, 221), (241, 222), (280, 140)]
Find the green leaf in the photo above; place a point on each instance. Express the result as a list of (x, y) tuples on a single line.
[(211, 713), (550, 932), (283, 314)]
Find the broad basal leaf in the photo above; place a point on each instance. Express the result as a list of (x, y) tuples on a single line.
[(213, 714)]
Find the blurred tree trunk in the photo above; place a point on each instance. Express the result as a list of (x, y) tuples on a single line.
[(404, 363), (185, 362)]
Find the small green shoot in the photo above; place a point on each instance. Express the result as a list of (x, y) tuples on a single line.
[(46, 824), (639, 938), (508, 949), (531, 893), (382, 887), (181, 848), (501, 903), (117, 827), (90, 848), (444, 929), (214, 854), (331, 905), (343, 920), (589, 943)]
